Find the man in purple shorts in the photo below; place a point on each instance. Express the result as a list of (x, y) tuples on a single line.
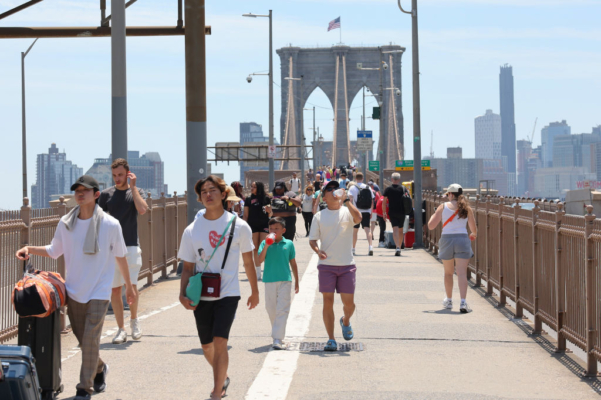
[(333, 227)]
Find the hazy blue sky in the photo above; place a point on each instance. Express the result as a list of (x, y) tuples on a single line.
[(554, 47)]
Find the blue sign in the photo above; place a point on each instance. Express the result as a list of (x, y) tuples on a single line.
[(364, 134)]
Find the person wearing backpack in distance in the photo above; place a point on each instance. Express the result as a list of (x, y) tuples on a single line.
[(91, 241), (215, 241), (455, 247), (333, 227), (124, 201), (279, 256), (362, 197), (393, 197)]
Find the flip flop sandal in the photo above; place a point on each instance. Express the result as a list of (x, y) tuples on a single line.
[(226, 384), (331, 345), (347, 331)]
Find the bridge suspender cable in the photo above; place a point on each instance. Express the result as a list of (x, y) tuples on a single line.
[(348, 128), (394, 119), (335, 112)]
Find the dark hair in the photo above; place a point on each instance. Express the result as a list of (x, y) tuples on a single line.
[(462, 204), (120, 162), (260, 190), (215, 180), (237, 186), (278, 220)]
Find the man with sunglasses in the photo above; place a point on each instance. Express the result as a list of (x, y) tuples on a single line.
[(333, 228)]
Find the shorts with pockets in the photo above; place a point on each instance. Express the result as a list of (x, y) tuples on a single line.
[(341, 279), (365, 221), (397, 221), (134, 263), (215, 318), (455, 246)]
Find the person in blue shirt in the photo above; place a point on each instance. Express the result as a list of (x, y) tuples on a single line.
[(343, 181), (278, 256)]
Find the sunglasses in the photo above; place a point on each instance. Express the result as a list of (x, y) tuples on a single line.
[(330, 189)]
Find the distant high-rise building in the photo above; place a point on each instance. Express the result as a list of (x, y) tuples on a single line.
[(454, 152), (507, 117), (251, 133), (55, 175), (548, 134), (573, 150), (149, 171), (488, 136), (455, 169), (524, 154)]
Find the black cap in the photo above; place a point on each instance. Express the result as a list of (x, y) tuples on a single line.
[(86, 181), (332, 184)]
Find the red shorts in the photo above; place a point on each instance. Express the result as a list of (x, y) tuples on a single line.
[(339, 278)]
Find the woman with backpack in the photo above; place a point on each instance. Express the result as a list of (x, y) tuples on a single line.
[(455, 245)]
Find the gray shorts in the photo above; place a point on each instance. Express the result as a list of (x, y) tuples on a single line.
[(455, 246)]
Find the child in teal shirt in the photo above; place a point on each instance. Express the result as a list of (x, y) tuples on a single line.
[(278, 258)]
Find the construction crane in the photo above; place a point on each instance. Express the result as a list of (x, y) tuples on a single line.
[(432, 145), (531, 138)]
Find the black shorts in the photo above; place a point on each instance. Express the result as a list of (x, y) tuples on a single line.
[(365, 221), (259, 227), (397, 221), (215, 318)]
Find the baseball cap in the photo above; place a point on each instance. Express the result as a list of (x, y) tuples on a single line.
[(455, 188), (332, 184), (371, 182), (86, 181), (280, 184)]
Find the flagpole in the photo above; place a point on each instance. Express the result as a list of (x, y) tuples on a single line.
[(340, 30)]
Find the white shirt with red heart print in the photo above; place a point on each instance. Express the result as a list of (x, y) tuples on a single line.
[(201, 237)]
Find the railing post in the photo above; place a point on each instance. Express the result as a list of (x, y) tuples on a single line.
[(151, 240), (62, 211), (589, 281), (519, 311), (560, 296), (176, 233), (538, 324), (488, 282), (502, 296), (476, 253), (164, 205)]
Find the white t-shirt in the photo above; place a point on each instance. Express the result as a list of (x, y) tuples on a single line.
[(199, 240), (294, 185), (354, 193), (334, 228), (307, 203), (89, 277)]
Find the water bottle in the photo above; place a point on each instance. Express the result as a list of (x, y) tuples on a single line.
[(338, 193), (270, 239)]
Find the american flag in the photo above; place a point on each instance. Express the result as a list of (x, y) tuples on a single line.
[(334, 24)]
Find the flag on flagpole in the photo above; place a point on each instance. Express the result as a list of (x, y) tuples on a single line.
[(334, 24)]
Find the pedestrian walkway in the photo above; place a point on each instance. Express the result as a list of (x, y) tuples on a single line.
[(412, 349)]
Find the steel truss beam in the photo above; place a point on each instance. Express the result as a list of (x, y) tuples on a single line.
[(75, 32), (19, 8)]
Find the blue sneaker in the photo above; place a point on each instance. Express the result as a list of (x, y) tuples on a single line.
[(347, 331), (331, 345)]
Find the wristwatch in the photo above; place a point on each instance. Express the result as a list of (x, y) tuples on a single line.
[(345, 200)]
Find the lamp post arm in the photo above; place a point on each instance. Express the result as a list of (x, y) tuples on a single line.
[(25, 54), (401, 7)]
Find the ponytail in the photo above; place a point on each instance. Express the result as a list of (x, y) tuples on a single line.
[(463, 206)]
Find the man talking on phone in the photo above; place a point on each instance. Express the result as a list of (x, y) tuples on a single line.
[(124, 202)]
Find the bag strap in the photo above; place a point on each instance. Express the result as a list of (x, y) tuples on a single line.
[(451, 218), (229, 242), (219, 242)]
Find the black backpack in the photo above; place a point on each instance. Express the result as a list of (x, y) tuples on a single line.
[(364, 200), (407, 202)]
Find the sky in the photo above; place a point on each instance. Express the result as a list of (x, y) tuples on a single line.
[(554, 47)]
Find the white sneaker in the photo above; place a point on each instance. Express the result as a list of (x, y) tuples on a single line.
[(258, 273), (120, 337), (278, 345), (353, 251), (371, 250), (447, 303), (136, 331), (382, 245), (464, 308)]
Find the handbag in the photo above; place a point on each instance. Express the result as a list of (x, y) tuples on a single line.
[(39, 293), (196, 284)]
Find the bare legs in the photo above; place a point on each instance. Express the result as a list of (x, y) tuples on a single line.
[(258, 238), (368, 235), (117, 304), (218, 358), (348, 306), (450, 266), (397, 233)]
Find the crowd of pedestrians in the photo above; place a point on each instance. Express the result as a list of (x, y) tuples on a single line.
[(99, 240)]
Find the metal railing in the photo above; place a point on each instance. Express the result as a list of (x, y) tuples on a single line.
[(545, 261), (159, 230)]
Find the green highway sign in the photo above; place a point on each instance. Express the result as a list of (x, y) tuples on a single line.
[(374, 166), (407, 165)]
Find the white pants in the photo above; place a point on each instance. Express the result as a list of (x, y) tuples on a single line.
[(277, 302)]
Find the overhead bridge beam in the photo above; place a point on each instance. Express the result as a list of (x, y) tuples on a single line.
[(19, 8), (75, 32)]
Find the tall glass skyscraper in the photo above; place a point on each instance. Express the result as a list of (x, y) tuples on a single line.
[(508, 145)]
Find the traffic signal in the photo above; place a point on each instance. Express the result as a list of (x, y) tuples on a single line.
[(376, 113)]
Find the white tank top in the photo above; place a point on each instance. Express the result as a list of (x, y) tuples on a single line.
[(456, 226)]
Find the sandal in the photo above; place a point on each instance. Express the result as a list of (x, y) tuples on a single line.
[(224, 389), (331, 345), (347, 331)]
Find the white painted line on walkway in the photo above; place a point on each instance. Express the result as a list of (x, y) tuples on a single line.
[(73, 352), (275, 377)]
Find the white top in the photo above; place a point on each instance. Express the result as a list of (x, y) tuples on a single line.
[(200, 239), (334, 228), (88, 276), (456, 226), (294, 185), (354, 193), (307, 203)]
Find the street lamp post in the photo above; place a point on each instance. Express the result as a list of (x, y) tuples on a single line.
[(417, 148), (271, 125), (23, 120)]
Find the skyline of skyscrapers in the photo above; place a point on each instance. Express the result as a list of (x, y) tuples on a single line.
[(507, 107)]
